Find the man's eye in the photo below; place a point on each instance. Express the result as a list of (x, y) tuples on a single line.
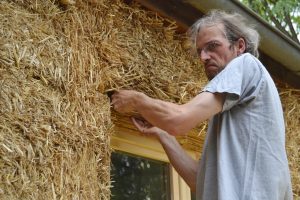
[(212, 46)]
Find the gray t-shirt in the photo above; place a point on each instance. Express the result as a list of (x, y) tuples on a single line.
[(244, 155)]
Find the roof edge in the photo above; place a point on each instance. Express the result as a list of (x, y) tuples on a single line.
[(273, 42), (280, 53)]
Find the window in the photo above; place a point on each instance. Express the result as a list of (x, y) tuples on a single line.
[(139, 178), (133, 149)]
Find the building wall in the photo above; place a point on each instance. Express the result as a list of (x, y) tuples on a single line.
[(57, 61)]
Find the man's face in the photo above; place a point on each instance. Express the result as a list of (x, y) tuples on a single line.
[(214, 50)]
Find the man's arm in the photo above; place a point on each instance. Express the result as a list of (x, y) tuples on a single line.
[(173, 118), (185, 166)]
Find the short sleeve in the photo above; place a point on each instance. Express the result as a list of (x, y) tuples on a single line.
[(240, 81)]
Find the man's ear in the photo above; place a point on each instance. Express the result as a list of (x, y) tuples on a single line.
[(241, 46)]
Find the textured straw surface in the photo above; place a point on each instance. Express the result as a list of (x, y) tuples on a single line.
[(56, 62), (54, 122), (291, 105)]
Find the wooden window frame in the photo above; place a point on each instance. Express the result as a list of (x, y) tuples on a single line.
[(130, 141)]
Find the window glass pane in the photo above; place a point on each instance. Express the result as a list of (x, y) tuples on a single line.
[(139, 178)]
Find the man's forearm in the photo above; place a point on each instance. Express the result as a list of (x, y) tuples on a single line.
[(164, 115), (179, 119), (173, 118), (185, 166)]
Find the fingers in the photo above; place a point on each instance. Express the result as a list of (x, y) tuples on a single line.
[(113, 97), (122, 101), (116, 101), (141, 125), (138, 124)]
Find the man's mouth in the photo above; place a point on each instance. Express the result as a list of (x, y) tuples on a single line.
[(210, 66)]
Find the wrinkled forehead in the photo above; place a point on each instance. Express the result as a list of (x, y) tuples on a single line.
[(210, 32)]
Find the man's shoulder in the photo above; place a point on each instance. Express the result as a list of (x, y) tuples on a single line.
[(245, 58), (246, 63)]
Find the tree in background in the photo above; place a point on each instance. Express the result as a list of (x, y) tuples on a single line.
[(283, 14)]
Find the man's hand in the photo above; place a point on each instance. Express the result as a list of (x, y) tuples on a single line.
[(146, 128), (123, 101), (185, 165)]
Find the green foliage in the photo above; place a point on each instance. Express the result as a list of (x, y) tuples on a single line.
[(283, 14)]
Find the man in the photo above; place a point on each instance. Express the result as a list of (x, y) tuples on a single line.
[(244, 152)]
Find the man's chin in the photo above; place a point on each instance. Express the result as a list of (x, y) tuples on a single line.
[(211, 75), (212, 71)]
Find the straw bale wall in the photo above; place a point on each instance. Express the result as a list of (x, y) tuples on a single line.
[(56, 63), (290, 98), (54, 121)]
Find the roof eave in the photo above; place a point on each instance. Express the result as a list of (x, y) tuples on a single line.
[(279, 53)]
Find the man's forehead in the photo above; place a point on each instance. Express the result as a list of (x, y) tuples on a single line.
[(211, 32), (216, 28)]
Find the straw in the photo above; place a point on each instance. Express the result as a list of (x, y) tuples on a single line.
[(57, 60)]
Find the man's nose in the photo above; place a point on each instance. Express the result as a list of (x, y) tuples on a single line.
[(204, 56)]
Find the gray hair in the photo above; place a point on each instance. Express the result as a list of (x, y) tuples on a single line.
[(235, 28)]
